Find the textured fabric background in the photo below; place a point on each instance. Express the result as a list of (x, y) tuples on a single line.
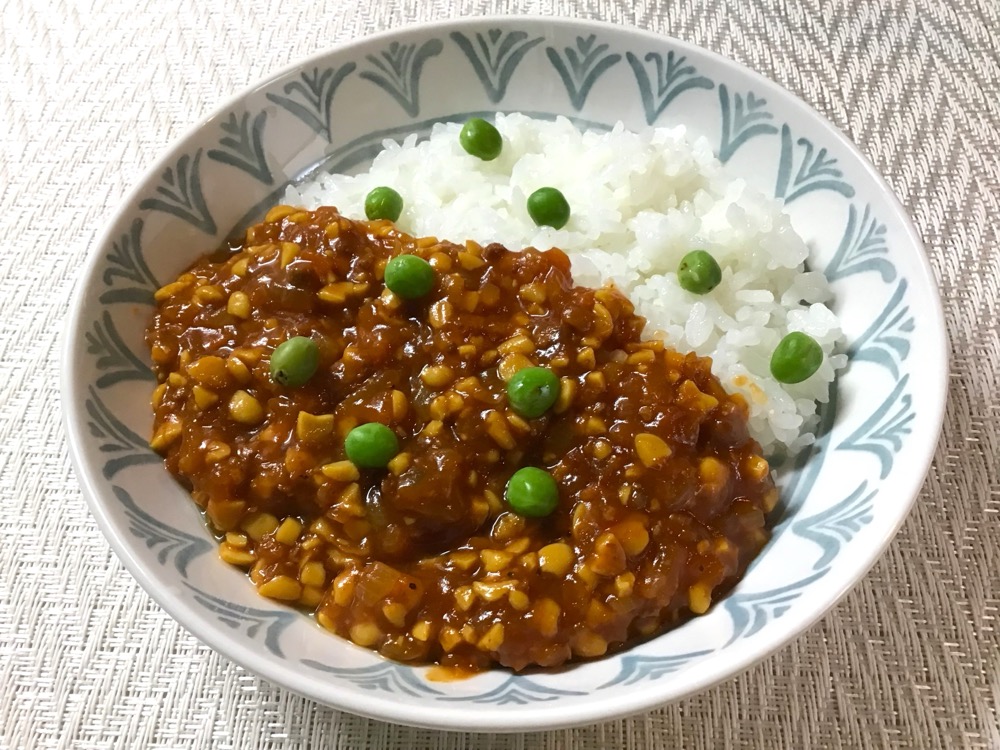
[(91, 93)]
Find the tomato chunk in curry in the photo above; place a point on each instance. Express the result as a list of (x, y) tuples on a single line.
[(662, 492)]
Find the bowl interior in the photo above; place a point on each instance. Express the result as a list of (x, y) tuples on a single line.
[(842, 499)]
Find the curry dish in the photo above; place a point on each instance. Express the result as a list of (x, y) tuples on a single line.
[(660, 493)]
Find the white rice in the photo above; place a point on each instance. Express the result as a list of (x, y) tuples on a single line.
[(640, 202)]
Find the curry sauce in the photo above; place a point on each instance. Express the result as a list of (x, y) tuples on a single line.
[(662, 492)]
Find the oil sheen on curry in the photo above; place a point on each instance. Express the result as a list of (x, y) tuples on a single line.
[(490, 466)]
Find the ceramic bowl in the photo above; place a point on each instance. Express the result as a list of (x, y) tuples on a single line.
[(842, 500)]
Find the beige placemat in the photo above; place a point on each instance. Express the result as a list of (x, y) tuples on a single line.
[(91, 93)]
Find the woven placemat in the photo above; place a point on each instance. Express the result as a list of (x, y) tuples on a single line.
[(92, 92)]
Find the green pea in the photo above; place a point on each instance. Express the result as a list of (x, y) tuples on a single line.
[(294, 361), (409, 276), (480, 139), (371, 445), (699, 272), (548, 207), (383, 203), (532, 391), (795, 358), (532, 492)]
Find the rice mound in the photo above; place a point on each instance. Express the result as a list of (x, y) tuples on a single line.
[(640, 202)]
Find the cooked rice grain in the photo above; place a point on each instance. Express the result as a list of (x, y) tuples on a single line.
[(640, 202)]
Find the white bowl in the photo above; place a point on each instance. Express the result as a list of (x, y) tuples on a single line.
[(843, 500)]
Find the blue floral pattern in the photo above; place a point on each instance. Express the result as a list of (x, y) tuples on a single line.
[(816, 170), (516, 690), (122, 446), (581, 66), (743, 118), (493, 55), (179, 194), (836, 526), (882, 434), (113, 357), (752, 611), (887, 340), (256, 624), (127, 274), (386, 677), (172, 546), (670, 79), (397, 71), (309, 97), (637, 668), (242, 146), (862, 248)]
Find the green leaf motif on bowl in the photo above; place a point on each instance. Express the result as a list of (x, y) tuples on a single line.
[(114, 358), (495, 56), (636, 668), (862, 248), (886, 342), (171, 545), (251, 621), (816, 171), (242, 146), (310, 97), (126, 262), (126, 447), (884, 432), (838, 524), (385, 676), (752, 611), (742, 119), (397, 70), (580, 68), (179, 194), (516, 690), (671, 79)]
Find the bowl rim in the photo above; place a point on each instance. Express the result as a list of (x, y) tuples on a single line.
[(535, 716)]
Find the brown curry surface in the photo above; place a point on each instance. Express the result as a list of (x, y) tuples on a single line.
[(662, 492)]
